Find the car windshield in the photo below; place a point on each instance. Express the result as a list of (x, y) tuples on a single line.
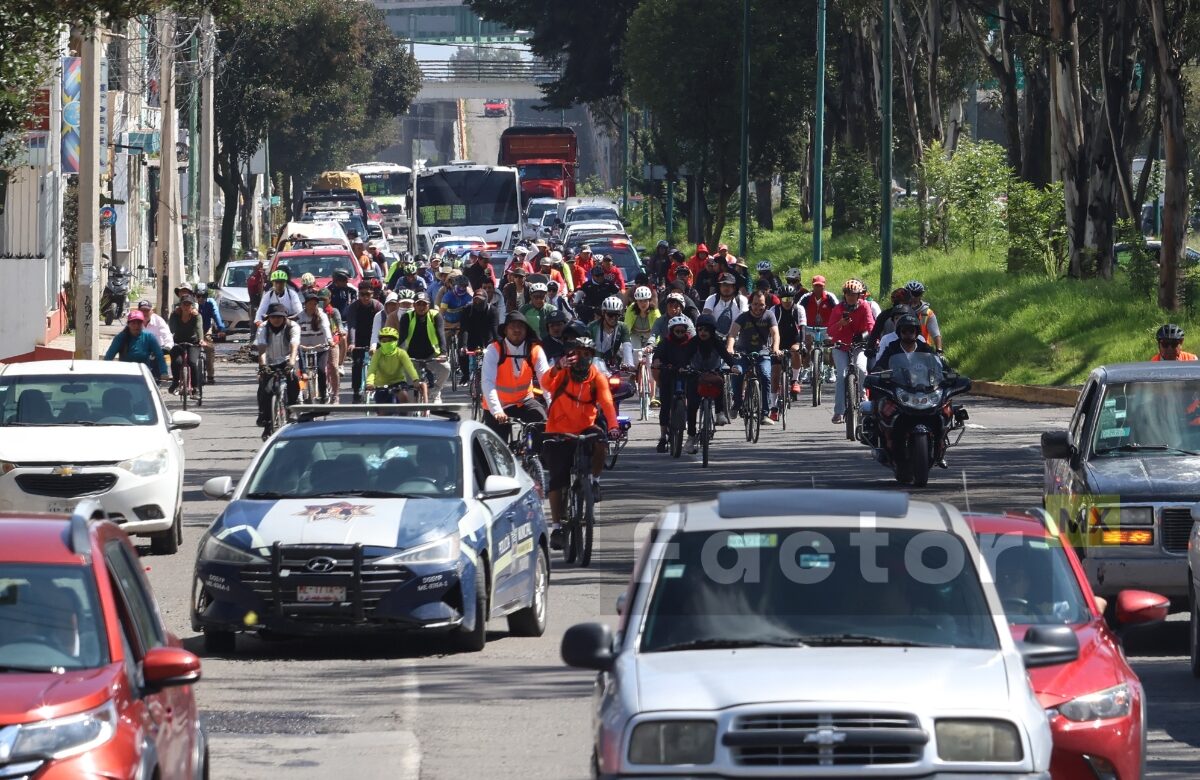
[(385, 185), (549, 217), (1148, 418), (539, 210), (457, 247), (583, 214), (92, 399), (624, 257), (237, 275), (920, 371), (472, 197), (320, 266), (377, 465), (346, 221), (816, 587), (50, 619), (540, 171), (1034, 579)]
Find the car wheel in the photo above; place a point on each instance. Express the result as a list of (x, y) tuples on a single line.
[(472, 640), (167, 542), (220, 642), (531, 621), (1193, 629)]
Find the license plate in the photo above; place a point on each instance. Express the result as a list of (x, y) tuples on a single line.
[(61, 508), (326, 594)]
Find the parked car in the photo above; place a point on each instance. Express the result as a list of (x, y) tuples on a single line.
[(76, 429), (1121, 252), (93, 684), (1096, 703), (769, 633), (320, 262), (232, 297), (1121, 478), (495, 107)]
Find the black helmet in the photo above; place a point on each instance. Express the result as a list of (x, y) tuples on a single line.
[(1170, 332), (576, 330), (787, 292), (915, 287), (907, 321), (706, 321)]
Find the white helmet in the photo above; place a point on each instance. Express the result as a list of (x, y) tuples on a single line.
[(792, 273), (680, 320), (537, 287), (556, 256), (642, 294), (612, 304), (764, 265)]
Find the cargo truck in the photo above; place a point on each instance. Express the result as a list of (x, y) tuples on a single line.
[(545, 159)]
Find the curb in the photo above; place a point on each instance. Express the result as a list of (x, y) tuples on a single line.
[(1033, 394), (461, 130)]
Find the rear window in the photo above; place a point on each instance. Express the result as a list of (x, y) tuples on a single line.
[(53, 399), (50, 618), (588, 214), (320, 266)]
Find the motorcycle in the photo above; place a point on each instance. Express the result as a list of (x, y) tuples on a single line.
[(116, 294), (910, 417)]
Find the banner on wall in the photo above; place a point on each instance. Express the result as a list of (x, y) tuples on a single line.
[(72, 83)]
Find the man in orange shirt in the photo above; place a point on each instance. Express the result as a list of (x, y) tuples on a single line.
[(578, 389), (1170, 344)]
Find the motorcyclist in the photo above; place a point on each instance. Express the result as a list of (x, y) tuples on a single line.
[(908, 330), (1170, 344)]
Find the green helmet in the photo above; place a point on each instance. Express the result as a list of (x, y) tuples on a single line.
[(410, 269), (407, 295), (279, 276)]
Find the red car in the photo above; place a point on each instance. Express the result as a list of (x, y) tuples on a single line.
[(1096, 704), (495, 107), (321, 262), (91, 683)]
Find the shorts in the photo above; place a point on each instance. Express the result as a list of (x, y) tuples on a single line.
[(558, 457)]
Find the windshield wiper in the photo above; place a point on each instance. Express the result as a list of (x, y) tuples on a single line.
[(717, 643), (1134, 447), (266, 494), (362, 494), (833, 640), (32, 669)]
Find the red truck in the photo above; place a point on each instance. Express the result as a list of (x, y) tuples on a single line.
[(545, 159)]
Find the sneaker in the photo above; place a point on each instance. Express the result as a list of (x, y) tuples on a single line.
[(733, 413), (212, 380), (722, 418), (805, 376), (766, 418), (556, 538), (341, 370), (173, 388), (260, 421), (838, 419), (654, 403), (774, 415), (662, 445), (595, 491), (795, 388), (941, 463), (692, 445)]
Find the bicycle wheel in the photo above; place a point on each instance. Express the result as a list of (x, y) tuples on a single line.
[(851, 400), (708, 427), (643, 392), (476, 394), (533, 467), (677, 423), (785, 403), (815, 377), (574, 520), (587, 519), (753, 408), (454, 362), (185, 381)]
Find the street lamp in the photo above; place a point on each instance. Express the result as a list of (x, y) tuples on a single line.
[(885, 166)]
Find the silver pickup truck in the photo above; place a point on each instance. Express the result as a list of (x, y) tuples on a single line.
[(1121, 480)]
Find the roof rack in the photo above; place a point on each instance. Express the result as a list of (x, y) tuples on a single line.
[(308, 412), (85, 512)]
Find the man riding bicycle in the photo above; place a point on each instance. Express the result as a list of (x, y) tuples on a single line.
[(360, 320), (578, 390), (282, 293), (316, 337), (510, 365), (707, 355), (850, 322), (278, 343), (390, 365), (754, 332), (671, 355), (213, 327), (424, 338), (791, 319)]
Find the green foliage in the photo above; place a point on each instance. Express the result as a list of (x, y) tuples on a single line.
[(979, 177), (1037, 230), (853, 177), (593, 187)]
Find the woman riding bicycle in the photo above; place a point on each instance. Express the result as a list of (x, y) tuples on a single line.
[(851, 321), (390, 366), (707, 355), (670, 356), (639, 321)]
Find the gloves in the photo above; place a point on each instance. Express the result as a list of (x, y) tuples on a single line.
[(614, 433)]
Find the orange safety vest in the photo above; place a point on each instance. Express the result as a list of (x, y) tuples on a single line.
[(514, 385), (1182, 356), (923, 318)]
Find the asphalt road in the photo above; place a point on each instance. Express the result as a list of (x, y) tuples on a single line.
[(403, 708)]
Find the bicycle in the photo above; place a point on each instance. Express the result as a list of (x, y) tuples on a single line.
[(524, 449), (278, 415), (475, 381), (852, 392), (186, 387), (364, 354), (818, 359), (397, 393), (784, 404), (452, 339), (644, 388), (309, 371), (580, 517), (677, 421), (751, 396), (614, 446), (709, 386)]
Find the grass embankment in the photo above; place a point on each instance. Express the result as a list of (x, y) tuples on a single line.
[(997, 326)]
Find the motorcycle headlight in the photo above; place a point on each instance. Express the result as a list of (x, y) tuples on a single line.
[(444, 550), (1112, 702), (673, 742), (213, 549), (978, 740), (146, 465), (61, 737), (918, 400)]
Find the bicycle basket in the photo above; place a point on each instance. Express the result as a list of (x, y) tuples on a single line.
[(710, 385)]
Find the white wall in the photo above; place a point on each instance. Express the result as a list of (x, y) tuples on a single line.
[(23, 315)]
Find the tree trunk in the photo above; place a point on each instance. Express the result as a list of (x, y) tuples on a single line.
[(1066, 126), (718, 220), (1174, 141), (246, 213), (933, 47), (907, 62), (764, 215), (1035, 135), (228, 178), (997, 52)]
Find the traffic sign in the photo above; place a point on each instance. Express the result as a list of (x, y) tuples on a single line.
[(108, 216)]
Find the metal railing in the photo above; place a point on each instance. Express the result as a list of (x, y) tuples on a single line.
[(465, 70)]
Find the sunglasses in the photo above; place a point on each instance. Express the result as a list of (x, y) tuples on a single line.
[(1164, 343)]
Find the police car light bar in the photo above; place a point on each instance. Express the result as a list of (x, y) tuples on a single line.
[(306, 412)]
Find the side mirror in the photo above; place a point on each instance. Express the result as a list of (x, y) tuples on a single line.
[(588, 646), (1049, 646), (497, 486), (163, 667), (184, 421), (1141, 608), (624, 597), (220, 488), (1056, 445)]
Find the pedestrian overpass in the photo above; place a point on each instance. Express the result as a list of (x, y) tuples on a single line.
[(467, 79)]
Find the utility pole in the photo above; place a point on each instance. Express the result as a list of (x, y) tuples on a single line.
[(193, 193), (87, 334), (818, 144), (885, 167), (744, 216), (670, 208), (207, 130), (625, 161), (168, 197)]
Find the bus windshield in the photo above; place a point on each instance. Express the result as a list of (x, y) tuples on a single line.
[(384, 185), (472, 197)]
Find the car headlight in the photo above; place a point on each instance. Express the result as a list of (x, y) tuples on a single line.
[(146, 465), (978, 740), (1112, 702), (673, 742), (1120, 516), (61, 737), (213, 549), (444, 550), (6, 466), (918, 400)]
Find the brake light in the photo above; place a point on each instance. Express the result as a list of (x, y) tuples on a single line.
[(492, 245), (1127, 537), (620, 242), (614, 381)]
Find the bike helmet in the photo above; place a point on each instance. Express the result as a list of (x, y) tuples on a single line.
[(538, 287), (907, 321), (642, 294), (391, 297), (597, 273), (459, 282), (787, 292), (853, 286), (792, 273), (679, 321), (585, 342), (409, 269), (552, 287), (202, 290), (764, 265), (915, 288), (558, 315), (612, 305), (279, 276), (341, 274), (389, 332), (1170, 332), (308, 280), (726, 279), (576, 330), (678, 298), (556, 257), (406, 295), (704, 321)]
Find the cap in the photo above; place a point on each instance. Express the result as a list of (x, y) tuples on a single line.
[(276, 310), (144, 304), (585, 248), (723, 248), (421, 298), (391, 297), (311, 295), (187, 299), (726, 279), (818, 279), (521, 251), (516, 316), (541, 243), (136, 316), (517, 269)]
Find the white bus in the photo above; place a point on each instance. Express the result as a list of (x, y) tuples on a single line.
[(464, 199), (391, 187)]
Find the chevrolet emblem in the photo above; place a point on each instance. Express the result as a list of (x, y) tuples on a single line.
[(63, 471)]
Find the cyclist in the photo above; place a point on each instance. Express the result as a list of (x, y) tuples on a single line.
[(578, 390), (791, 319), (479, 269), (850, 321), (390, 315), (156, 325), (411, 280), (135, 344), (699, 261), (658, 264), (818, 304), (753, 332), (792, 276), (360, 319), (726, 305), (536, 310), (308, 283), (876, 309), (765, 274), (516, 292), (1170, 344), (510, 365), (550, 269), (390, 365), (213, 327), (558, 299), (611, 337), (707, 354), (188, 334), (338, 353), (929, 321), (315, 336), (555, 343), (281, 292), (341, 294), (640, 319), (670, 355), (593, 293), (278, 342), (423, 336)]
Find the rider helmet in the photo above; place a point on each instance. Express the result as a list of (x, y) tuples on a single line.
[(389, 333), (792, 273), (279, 276), (1170, 332), (406, 295), (308, 280), (907, 322), (853, 286), (612, 305), (582, 342), (787, 292), (410, 269), (642, 294), (679, 321), (202, 290), (915, 288), (538, 287), (764, 265), (678, 298), (552, 288)]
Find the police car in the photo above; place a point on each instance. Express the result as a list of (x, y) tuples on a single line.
[(374, 523)]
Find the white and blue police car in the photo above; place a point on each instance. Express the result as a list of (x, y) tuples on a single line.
[(374, 523)]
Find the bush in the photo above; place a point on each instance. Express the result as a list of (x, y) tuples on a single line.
[(856, 187), (1036, 229)]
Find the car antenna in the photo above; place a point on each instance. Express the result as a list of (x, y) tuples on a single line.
[(966, 493)]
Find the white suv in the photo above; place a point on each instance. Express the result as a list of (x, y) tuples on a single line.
[(794, 633), (75, 429)]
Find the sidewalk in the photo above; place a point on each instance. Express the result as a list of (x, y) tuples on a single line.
[(63, 346)]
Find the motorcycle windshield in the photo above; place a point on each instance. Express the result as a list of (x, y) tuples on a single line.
[(919, 371)]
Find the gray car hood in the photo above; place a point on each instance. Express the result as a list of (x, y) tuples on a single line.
[(1151, 476)]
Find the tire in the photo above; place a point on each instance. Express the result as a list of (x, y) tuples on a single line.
[(220, 642), (751, 411), (278, 411), (476, 397), (474, 639), (785, 403), (1193, 629), (108, 316), (815, 379), (851, 400), (167, 542), (185, 382), (533, 467), (918, 459), (643, 393), (678, 423), (613, 452), (531, 621), (707, 427), (587, 527), (570, 549), (200, 396)]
